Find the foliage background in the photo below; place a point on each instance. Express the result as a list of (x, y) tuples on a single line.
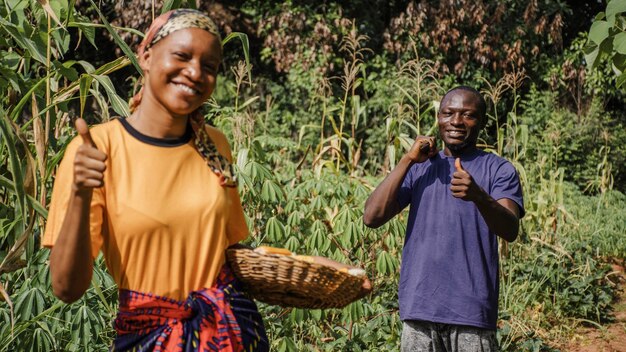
[(319, 100)]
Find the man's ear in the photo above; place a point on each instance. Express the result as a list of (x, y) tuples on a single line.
[(144, 60)]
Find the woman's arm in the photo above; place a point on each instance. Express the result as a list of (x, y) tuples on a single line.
[(71, 261)]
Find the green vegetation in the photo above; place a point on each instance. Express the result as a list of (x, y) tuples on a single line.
[(318, 107)]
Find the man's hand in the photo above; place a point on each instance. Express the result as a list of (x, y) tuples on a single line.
[(423, 148), (89, 163), (463, 185)]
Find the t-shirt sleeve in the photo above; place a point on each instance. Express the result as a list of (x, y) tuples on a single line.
[(507, 185), (59, 203), (406, 189)]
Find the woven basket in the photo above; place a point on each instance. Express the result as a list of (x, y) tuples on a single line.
[(285, 281)]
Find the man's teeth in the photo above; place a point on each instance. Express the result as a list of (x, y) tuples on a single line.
[(187, 89)]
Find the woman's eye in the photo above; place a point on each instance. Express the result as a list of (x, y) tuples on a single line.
[(210, 68)]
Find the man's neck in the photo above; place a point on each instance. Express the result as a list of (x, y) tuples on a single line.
[(466, 150)]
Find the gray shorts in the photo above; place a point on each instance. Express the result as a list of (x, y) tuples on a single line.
[(418, 336)]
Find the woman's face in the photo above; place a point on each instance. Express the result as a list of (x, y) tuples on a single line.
[(181, 70)]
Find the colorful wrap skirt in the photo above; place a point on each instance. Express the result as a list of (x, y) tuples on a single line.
[(220, 318)]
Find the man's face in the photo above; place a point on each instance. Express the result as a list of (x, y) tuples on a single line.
[(459, 121)]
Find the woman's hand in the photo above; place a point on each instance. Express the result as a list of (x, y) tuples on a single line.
[(89, 162)]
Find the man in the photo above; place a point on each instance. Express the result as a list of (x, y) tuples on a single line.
[(461, 198)]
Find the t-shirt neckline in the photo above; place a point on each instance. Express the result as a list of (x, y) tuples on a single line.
[(160, 142)]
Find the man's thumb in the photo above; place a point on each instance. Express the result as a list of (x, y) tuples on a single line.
[(457, 165), (83, 131)]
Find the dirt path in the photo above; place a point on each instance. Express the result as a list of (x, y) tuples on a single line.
[(613, 338)]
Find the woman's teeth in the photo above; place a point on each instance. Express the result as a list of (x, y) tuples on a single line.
[(187, 89)]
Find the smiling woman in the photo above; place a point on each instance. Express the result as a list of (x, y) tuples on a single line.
[(156, 193)]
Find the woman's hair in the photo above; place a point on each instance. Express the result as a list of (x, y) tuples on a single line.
[(160, 28)]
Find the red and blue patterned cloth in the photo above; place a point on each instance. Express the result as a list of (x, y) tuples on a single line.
[(220, 318)]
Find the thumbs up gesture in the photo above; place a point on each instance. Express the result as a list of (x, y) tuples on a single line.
[(463, 185), (89, 163)]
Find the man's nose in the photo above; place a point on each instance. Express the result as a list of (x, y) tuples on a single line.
[(456, 119)]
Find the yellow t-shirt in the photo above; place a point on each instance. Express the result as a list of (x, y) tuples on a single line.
[(162, 219)]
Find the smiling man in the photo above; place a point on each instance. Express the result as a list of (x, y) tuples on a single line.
[(460, 200)]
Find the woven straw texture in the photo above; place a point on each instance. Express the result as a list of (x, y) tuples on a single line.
[(288, 282)]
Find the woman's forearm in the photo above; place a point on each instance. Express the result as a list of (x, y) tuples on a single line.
[(71, 262)]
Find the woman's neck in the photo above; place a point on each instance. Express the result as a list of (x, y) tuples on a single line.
[(154, 121)]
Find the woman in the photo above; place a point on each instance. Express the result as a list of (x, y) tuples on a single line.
[(156, 193)]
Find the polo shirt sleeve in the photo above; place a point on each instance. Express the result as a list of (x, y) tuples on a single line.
[(59, 203), (507, 185)]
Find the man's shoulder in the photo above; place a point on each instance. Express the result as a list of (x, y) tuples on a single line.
[(493, 158)]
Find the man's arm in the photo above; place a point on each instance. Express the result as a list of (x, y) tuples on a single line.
[(501, 216), (382, 204)]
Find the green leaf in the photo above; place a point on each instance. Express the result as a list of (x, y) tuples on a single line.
[(8, 137), (271, 192), (169, 5), (36, 50), (619, 60), (84, 86), (117, 103), (118, 40), (292, 244), (30, 304), (245, 45), (275, 230), (599, 31), (613, 8), (620, 80), (619, 42)]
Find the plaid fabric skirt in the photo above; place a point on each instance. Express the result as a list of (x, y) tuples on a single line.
[(220, 318)]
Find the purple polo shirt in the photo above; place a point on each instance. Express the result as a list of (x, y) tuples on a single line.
[(449, 270)]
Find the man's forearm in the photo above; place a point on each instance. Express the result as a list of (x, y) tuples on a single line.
[(502, 216)]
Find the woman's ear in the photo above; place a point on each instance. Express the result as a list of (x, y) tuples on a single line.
[(144, 60)]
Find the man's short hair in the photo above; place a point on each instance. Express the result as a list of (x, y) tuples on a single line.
[(482, 104)]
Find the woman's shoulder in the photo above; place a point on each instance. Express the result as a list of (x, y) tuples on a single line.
[(104, 132)]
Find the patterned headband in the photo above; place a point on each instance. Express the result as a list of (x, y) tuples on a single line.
[(174, 20)]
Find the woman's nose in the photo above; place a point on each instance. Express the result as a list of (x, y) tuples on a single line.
[(193, 71)]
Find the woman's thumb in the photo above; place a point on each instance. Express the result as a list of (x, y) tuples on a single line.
[(83, 131)]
